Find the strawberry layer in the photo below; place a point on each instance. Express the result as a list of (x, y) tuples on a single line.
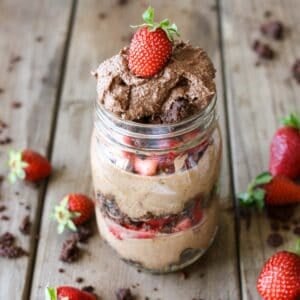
[(151, 249)]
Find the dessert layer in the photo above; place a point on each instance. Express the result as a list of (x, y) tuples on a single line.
[(154, 252), (137, 195), (184, 87)]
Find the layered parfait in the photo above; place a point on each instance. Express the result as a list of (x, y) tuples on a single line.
[(156, 149)]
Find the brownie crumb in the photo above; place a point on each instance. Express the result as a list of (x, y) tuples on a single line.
[(83, 233), (25, 225), (17, 193), (122, 2), (39, 39), (273, 29), (184, 275), (61, 270), (88, 288), (5, 218), (79, 279), (124, 294), (102, 15), (15, 59), (7, 247), (297, 230), (267, 14), (296, 70), (16, 104), (155, 289), (2, 207), (1, 90), (283, 213), (139, 270), (286, 227), (3, 125), (70, 251), (275, 240), (27, 207), (275, 226), (263, 50)]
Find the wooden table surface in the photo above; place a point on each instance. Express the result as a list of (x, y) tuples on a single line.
[(47, 50)]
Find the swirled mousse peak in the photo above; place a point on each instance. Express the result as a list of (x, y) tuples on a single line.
[(184, 86)]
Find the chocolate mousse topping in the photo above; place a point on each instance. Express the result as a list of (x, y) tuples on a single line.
[(185, 86)]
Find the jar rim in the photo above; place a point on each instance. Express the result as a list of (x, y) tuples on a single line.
[(113, 117)]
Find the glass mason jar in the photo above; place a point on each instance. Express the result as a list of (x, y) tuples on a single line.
[(155, 187)]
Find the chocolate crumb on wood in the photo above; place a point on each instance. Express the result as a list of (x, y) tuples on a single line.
[(273, 29), (16, 104), (124, 294), (88, 288), (275, 240), (8, 249), (5, 218), (70, 251), (25, 225), (39, 39), (2, 208), (102, 15), (296, 70), (263, 50), (83, 233)]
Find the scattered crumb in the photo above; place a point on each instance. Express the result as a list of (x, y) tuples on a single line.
[(124, 294), (8, 248), (5, 218), (27, 207), (1, 90), (263, 50), (275, 240), (88, 288), (267, 14), (296, 70), (16, 104), (79, 279), (15, 59), (25, 225), (17, 193), (155, 289), (2, 208), (102, 15), (273, 29), (70, 251), (297, 230), (122, 2), (39, 39), (184, 275), (61, 270)]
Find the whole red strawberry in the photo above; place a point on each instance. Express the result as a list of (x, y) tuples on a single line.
[(151, 45), (74, 209), (68, 292), (280, 277), (273, 190), (28, 165), (285, 149)]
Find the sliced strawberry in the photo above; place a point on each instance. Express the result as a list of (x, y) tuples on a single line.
[(184, 224), (145, 167), (197, 213)]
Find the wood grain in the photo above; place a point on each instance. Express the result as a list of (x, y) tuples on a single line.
[(257, 97), (31, 55), (100, 29)]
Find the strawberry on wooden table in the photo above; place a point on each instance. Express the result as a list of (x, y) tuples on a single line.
[(272, 190), (68, 293), (74, 209), (279, 278), (151, 45), (285, 149), (28, 165)]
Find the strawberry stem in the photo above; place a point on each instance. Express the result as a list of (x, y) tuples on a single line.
[(171, 30), (292, 120), (255, 194), (51, 293)]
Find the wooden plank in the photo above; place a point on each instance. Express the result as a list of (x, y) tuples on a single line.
[(31, 50), (94, 39), (258, 96)]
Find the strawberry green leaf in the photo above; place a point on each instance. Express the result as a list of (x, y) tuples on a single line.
[(17, 166), (148, 15), (292, 120), (51, 293), (263, 178), (64, 216)]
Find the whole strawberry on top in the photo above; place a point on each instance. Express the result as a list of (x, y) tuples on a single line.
[(285, 149), (271, 190), (151, 45), (28, 165), (74, 209), (279, 278), (67, 293)]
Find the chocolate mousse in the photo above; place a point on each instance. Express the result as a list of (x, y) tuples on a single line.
[(185, 86), (156, 151)]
